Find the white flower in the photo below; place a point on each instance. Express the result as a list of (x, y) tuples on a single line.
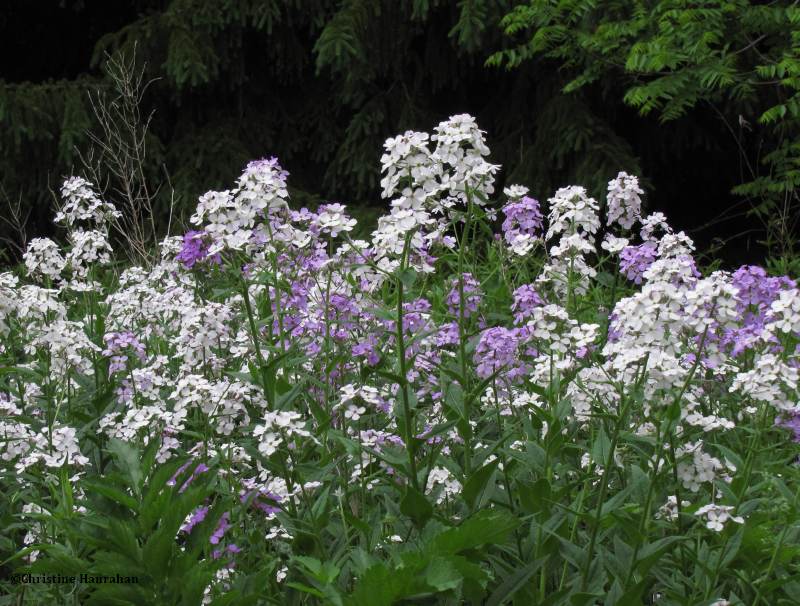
[(279, 426), (43, 258), (572, 209), (515, 192), (613, 244), (784, 313), (83, 204), (333, 220), (701, 467), (717, 515), (89, 248), (281, 574), (440, 476), (624, 201), (669, 510), (354, 412)]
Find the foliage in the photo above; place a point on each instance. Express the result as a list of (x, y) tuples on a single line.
[(741, 58), (320, 83), (552, 411)]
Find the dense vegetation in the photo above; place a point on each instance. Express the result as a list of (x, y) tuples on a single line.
[(474, 405), (474, 383)]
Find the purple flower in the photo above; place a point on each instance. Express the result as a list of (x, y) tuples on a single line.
[(198, 515), (523, 218), (756, 292), (634, 260), (447, 335), (197, 471), (526, 299), (472, 296), (195, 250), (201, 468), (793, 423), (367, 349), (181, 469), (264, 500), (222, 527), (116, 343), (498, 348)]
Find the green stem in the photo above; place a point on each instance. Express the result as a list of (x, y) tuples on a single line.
[(254, 335)]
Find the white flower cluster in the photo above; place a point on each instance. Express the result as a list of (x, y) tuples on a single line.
[(700, 466), (229, 217), (669, 510), (771, 380), (87, 219), (442, 478), (332, 220), (624, 200), (279, 427), (423, 183), (43, 258), (89, 248), (82, 204), (552, 329), (572, 211), (717, 516)]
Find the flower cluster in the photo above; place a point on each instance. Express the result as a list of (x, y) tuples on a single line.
[(354, 390)]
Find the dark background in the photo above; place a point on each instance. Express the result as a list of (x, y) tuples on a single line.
[(321, 85)]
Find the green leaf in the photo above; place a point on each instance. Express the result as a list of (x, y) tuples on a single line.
[(416, 506), (485, 527), (601, 448), (127, 457), (442, 575), (476, 483), (513, 583)]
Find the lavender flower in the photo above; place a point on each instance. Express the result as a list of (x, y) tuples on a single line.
[(792, 423), (634, 260), (498, 348), (201, 468), (197, 516), (526, 299), (222, 527), (472, 296), (523, 224), (195, 250), (116, 342), (197, 471)]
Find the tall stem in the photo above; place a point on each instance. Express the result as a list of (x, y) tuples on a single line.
[(254, 335)]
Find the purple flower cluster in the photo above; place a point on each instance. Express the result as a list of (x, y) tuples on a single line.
[(498, 349), (116, 343), (447, 334), (198, 515), (526, 299), (523, 218), (756, 293), (368, 349), (472, 296), (635, 260), (792, 423), (222, 527), (262, 499), (232, 549), (195, 250), (201, 468)]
